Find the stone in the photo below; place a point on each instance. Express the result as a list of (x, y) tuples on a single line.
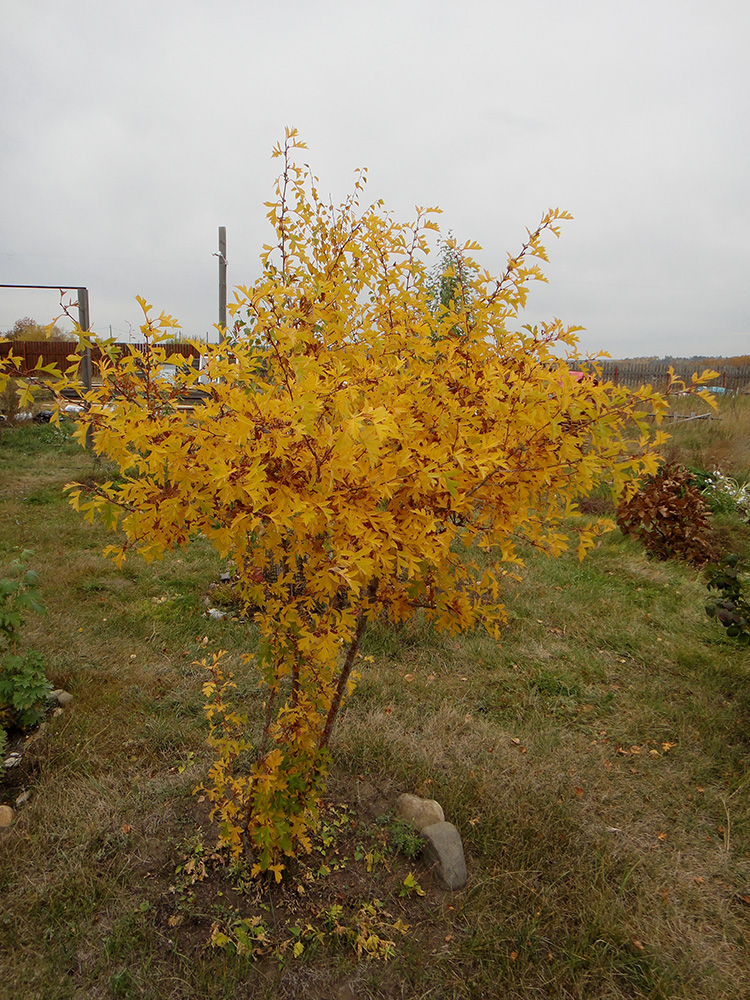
[(216, 614), (64, 698), (23, 798), (6, 815), (54, 695), (13, 759), (419, 812), (444, 849)]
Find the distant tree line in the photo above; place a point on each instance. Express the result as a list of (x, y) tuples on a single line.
[(28, 329)]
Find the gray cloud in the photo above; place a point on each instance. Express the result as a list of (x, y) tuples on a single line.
[(129, 133)]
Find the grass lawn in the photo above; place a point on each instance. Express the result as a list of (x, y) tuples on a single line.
[(595, 762)]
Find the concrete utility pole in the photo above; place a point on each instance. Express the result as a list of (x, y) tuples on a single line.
[(222, 255)]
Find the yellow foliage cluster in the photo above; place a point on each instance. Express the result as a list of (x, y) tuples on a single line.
[(360, 451)]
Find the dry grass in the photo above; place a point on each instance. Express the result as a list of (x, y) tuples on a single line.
[(721, 442), (595, 762)]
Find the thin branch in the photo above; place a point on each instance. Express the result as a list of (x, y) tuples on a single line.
[(348, 665)]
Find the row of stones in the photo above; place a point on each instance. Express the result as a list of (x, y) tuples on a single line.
[(7, 813)]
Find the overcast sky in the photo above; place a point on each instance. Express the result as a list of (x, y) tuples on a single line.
[(129, 132)]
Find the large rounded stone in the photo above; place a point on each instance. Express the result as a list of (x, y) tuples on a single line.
[(419, 812), (444, 849), (6, 815)]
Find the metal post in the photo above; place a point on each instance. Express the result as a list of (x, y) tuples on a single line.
[(86, 373), (222, 280), (83, 322)]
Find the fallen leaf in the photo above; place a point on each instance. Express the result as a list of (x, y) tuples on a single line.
[(578, 791), (666, 747), (654, 753), (408, 678), (638, 945), (661, 835), (513, 956), (175, 920), (515, 740), (125, 828)]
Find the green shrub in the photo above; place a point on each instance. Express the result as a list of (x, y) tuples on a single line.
[(404, 837), (724, 494), (23, 684), (731, 608)]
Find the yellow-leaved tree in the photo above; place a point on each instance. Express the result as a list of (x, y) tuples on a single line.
[(367, 448)]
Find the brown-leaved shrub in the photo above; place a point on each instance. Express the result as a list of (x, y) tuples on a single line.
[(669, 515)]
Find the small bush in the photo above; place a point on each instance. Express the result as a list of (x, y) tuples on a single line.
[(670, 516), (23, 684), (731, 608), (404, 837), (23, 690), (725, 495)]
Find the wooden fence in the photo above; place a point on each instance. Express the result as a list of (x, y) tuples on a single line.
[(731, 378), (57, 352)]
